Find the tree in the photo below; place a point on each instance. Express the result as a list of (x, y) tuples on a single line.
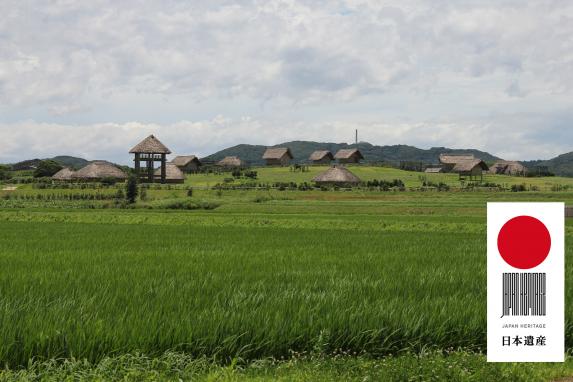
[(131, 189), (5, 172), (47, 167)]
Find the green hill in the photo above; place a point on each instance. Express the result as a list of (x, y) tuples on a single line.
[(69, 161), (302, 150), (64, 160), (561, 165)]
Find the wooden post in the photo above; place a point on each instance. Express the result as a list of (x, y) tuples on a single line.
[(163, 167), (137, 165), (150, 169)]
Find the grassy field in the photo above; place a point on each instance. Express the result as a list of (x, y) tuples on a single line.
[(366, 173), (305, 285)]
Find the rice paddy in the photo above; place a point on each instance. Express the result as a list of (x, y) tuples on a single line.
[(265, 275)]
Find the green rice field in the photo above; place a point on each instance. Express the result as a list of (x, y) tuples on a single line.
[(297, 285)]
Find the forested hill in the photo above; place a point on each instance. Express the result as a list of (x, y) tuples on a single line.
[(302, 150), (64, 160), (561, 165)]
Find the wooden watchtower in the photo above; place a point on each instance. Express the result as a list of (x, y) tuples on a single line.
[(149, 151)]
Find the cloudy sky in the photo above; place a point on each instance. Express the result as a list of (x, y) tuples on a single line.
[(93, 78)]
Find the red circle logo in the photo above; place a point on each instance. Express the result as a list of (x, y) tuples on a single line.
[(524, 242)]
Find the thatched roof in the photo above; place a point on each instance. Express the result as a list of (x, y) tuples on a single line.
[(337, 174), (230, 162), (172, 172), (348, 153), (184, 160), (508, 167), (150, 145), (277, 153), (64, 174), (468, 165), (453, 159), (321, 154), (99, 169)]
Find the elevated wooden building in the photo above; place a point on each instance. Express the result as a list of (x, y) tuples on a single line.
[(321, 157), (471, 170), (348, 156), (277, 156), (149, 151), (187, 163), (448, 161)]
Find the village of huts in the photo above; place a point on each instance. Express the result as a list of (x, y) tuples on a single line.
[(152, 165)]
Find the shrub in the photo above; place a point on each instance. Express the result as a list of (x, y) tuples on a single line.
[(131, 189), (518, 187), (5, 173), (185, 204), (47, 167), (492, 185), (385, 185), (261, 199)]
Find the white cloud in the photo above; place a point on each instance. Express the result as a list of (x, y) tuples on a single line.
[(299, 50), (112, 141), (70, 65)]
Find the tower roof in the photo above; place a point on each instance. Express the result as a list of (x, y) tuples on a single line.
[(150, 145)]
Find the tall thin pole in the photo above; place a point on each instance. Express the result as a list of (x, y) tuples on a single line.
[(356, 138)]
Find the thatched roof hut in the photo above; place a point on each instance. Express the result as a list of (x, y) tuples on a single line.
[(98, 170), (172, 173), (277, 153), (231, 161), (470, 169), (348, 156), (504, 167), (454, 158), (321, 156), (187, 163), (470, 165), (184, 160), (150, 145), (336, 175), (64, 174), (277, 156)]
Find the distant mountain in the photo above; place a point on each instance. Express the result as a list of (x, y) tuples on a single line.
[(29, 164), (561, 165), (301, 150), (69, 161), (64, 160)]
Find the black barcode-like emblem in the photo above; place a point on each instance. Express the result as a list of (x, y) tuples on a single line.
[(524, 294)]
